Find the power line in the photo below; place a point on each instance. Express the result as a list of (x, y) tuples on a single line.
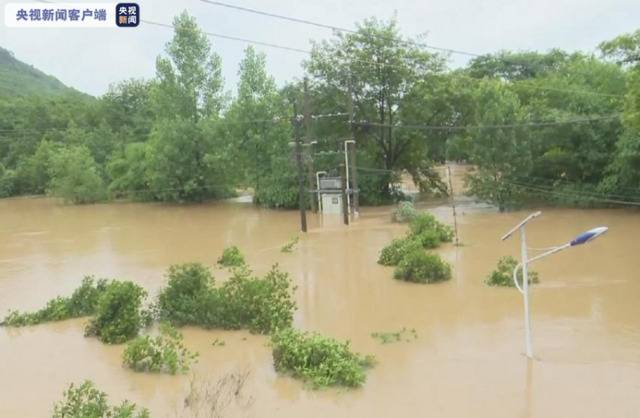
[(573, 194), (503, 126), (402, 41), (331, 27), (236, 38)]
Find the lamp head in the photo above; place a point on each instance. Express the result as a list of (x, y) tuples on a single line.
[(590, 235)]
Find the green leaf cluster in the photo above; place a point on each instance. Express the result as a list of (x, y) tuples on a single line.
[(420, 267), (317, 360), (244, 301), (82, 302), (231, 257), (503, 274), (86, 401), (119, 314), (164, 353)]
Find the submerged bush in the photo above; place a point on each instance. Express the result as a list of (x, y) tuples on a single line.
[(427, 223), (261, 305), (394, 252), (182, 301), (85, 401), (288, 247), (82, 302), (231, 257), (163, 354), (421, 267), (404, 212), (503, 274), (318, 360), (119, 314)]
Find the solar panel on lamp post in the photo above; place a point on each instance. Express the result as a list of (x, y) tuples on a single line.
[(583, 238)]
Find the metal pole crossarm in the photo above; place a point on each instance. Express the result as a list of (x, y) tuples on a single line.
[(515, 228)]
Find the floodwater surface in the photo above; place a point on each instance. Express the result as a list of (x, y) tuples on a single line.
[(467, 360)]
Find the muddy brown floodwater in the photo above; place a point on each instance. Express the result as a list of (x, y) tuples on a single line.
[(466, 362)]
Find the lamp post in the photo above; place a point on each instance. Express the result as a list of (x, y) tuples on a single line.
[(583, 238)]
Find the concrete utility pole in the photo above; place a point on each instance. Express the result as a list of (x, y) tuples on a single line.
[(354, 166), (307, 141), (343, 179), (298, 151)]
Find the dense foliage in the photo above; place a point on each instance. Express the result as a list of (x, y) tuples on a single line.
[(548, 126), (231, 257), (421, 267), (393, 253), (164, 353), (119, 314), (426, 228), (262, 305), (319, 361), (86, 401), (503, 274), (82, 302), (404, 212)]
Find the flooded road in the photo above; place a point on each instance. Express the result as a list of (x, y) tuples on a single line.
[(466, 362)]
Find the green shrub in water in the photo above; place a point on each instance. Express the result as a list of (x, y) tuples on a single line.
[(425, 223), (184, 298), (119, 314), (261, 305), (421, 267), (318, 360), (162, 354), (404, 212), (394, 252), (231, 257), (288, 247), (85, 401), (503, 274), (82, 302)]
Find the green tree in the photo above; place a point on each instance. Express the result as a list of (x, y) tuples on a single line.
[(259, 131), (75, 176), (624, 172), (378, 68), (189, 79)]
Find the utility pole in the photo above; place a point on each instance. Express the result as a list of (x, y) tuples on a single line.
[(307, 141), (298, 151), (343, 179), (453, 205), (354, 166)]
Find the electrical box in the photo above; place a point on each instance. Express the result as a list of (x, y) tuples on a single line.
[(331, 203)]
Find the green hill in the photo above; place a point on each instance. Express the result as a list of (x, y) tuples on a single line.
[(20, 79)]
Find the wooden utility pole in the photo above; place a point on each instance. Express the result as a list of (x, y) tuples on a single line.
[(354, 167), (298, 151), (307, 142), (343, 187)]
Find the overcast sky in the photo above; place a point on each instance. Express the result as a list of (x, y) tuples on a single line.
[(90, 59)]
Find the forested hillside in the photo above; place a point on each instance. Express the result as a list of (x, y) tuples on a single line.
[(20, 79), (552, 126)]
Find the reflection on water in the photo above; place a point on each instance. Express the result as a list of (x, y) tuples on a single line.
[(467, 360)]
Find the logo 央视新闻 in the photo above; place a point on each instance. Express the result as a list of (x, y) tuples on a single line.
[(127, 15)]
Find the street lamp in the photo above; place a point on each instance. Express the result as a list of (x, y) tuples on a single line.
[(583, 238)]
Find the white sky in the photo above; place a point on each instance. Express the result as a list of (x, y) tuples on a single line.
[(90, 59)]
